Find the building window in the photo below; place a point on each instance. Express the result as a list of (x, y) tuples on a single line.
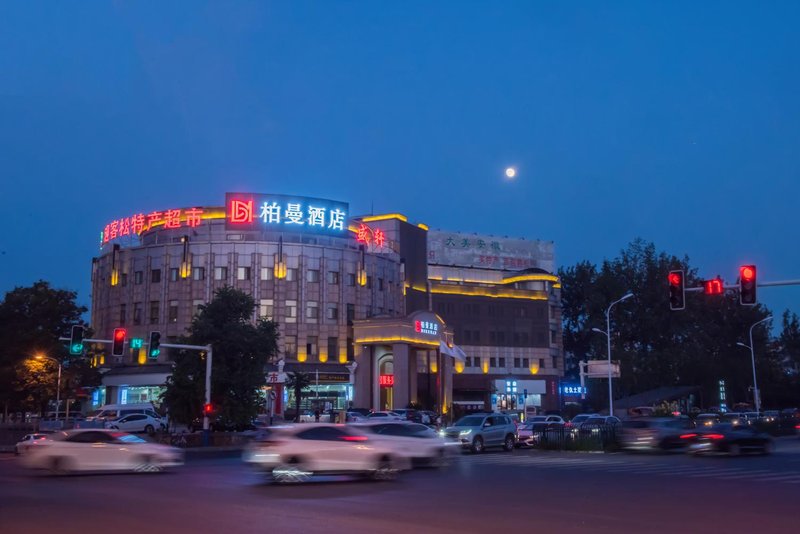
[(291, 274), (476, 361), (220, 273), (290, 346), (138, 277), (312, 311), (351, 350), (137, 313), (122, 314), (351, 279), (333, 277), (501, 338), (333, 312), (369, 282), (291, 311), (501, 361), (541, 363), (516, 339), (555, 362), (476, 336), (553, 337), (351, 312), (311, 346), (525, 362), (267, 273), (172, 314), (266, 309), (492, 337), (540, 338), (154, 309), (516, 363), (124, 279), (198, 273), (155, 276), (196, 306), (312, 275), (333, 349), (467, 362), (492, 362), (243, 273), (380, 284)]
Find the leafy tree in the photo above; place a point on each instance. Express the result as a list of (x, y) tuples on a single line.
[(299, 382), (31, 321), (241, 351)]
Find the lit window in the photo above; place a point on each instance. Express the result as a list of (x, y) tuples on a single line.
[(266, 309), (312, 311), (312, 275), (291, 311), (173, 311), (198, 273), (220, 273), (243, 273)]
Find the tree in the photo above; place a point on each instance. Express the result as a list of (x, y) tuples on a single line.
[(31, 321), (299, 382), (241, 352)]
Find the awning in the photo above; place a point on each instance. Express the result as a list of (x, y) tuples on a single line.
[(455, 351)]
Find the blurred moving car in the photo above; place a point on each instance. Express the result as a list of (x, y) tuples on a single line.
[(420, 444), (27, 441), (99, 450), (137, 422), (291, 454), (478, 431), (707, 419), (385, 415), (734, 418), (729, 439), (356, 417), (551, 420), (655, 433)]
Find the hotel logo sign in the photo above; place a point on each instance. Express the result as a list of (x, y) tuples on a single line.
[(254, 211), (426, 327)]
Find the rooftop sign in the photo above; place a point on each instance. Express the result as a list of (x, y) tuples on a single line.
[(256, 211)]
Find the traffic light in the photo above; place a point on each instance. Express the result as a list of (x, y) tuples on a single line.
[(118, 343), (714, 286), (677, 290), (207, 409), (155, 344), (747, 285), (76, 340)]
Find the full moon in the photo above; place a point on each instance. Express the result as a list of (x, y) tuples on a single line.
[(511, 172)]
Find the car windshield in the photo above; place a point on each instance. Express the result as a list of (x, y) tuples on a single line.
[(537, 419), (470, 420)]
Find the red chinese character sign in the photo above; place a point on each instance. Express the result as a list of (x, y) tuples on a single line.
[(140, 222), (370, 236), (386, 381)]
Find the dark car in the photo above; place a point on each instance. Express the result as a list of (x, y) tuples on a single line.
[(221, 425), (731, 440)]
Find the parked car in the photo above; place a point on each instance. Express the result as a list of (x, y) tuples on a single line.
[(109, 412), (99, 450), (419, 444), (385, 415), (27, 441), (478, 431), (734, 418), (731, 440), (551, 420), (525, 435), (295, 453), (575, 423), (406, 413), (137, 422), (356, 417), (656, 433)]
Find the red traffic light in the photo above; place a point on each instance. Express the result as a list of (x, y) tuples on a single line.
[(118, 345), (675, 278), (208, 408), (747, 285), (119, 334), (747, 273), (714, 287)]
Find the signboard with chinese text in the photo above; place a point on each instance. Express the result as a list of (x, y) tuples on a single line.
[(491, 252), (426, 327), (141, 222), (386, 381), (256, 211), (572, 390)]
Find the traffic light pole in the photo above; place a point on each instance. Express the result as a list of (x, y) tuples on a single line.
[(759, 284)]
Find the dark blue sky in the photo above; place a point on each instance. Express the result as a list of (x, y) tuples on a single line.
[(675, 122)]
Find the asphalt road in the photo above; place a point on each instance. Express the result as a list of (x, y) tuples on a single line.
[(529, 491)]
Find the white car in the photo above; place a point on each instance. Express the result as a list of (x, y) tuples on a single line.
[(27, 441), (356, 417), (291, 454), (385, 416), (137, 422), (419, 444), (94, 449)]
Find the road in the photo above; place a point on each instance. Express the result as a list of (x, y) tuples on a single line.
[(494, 492)]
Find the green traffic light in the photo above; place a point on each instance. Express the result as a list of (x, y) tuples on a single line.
[(155, 353), (77, 348)]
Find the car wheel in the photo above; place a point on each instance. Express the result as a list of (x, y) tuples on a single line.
[(150, 430), (734, 450), (508, 444), (477, 445), (384, 470), (145, 464), (59, 466), (290, 472)]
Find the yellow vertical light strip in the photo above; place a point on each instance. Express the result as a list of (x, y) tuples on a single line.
[(301, 354), (323, 354), (343, 355)]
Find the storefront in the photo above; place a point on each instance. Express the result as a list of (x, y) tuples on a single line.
[(328, 391), (132, 385)]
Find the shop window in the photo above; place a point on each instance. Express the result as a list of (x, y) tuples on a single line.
[(351, 279), (333, 277), (243, 273), (291, 274), (267, 273), (291, 311), (312, 275), (138, 277), (312, 311), (173, 275), (124, 279), (173, 311), (220, 273), (198, 273), (122, 314), (333, 312), (311, 346), (155, 276), (137, 313), (266, 309), (154, 311)]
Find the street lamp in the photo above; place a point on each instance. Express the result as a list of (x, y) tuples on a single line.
[(58, 384), (756, 394), (608, 339)]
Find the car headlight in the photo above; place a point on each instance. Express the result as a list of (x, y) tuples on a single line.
[(442, 433), (465, 432)]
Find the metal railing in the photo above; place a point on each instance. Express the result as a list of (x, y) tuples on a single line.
[(582, 438)]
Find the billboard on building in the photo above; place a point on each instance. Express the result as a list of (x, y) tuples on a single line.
[(255, 211), (489, 252)]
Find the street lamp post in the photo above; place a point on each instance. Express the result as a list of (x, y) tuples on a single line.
[(756, 393), (608, 339), (58, 383)]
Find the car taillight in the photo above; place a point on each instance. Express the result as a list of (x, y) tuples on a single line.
[(797, 427), (714, 436), (688, 436), (354, 438)]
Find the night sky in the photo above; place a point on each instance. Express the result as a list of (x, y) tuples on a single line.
[(670, 121)]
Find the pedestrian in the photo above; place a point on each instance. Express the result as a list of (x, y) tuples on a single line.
[(316, 416)]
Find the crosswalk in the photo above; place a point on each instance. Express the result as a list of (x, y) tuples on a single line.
[(629, 465)]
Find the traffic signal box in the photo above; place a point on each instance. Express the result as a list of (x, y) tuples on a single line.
[(747, 285), (677, 290)]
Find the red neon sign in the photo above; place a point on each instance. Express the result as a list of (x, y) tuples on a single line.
[(364, 234), (417, 326), (713, 287), (380, 237), (240, 212), (136, 224), (386, 381)]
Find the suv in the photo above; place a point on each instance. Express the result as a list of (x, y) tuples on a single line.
[(478, 431)]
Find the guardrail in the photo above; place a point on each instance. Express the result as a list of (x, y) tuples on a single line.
[(583, 438)]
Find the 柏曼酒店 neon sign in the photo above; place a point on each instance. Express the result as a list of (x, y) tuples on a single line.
[(252, 211)]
